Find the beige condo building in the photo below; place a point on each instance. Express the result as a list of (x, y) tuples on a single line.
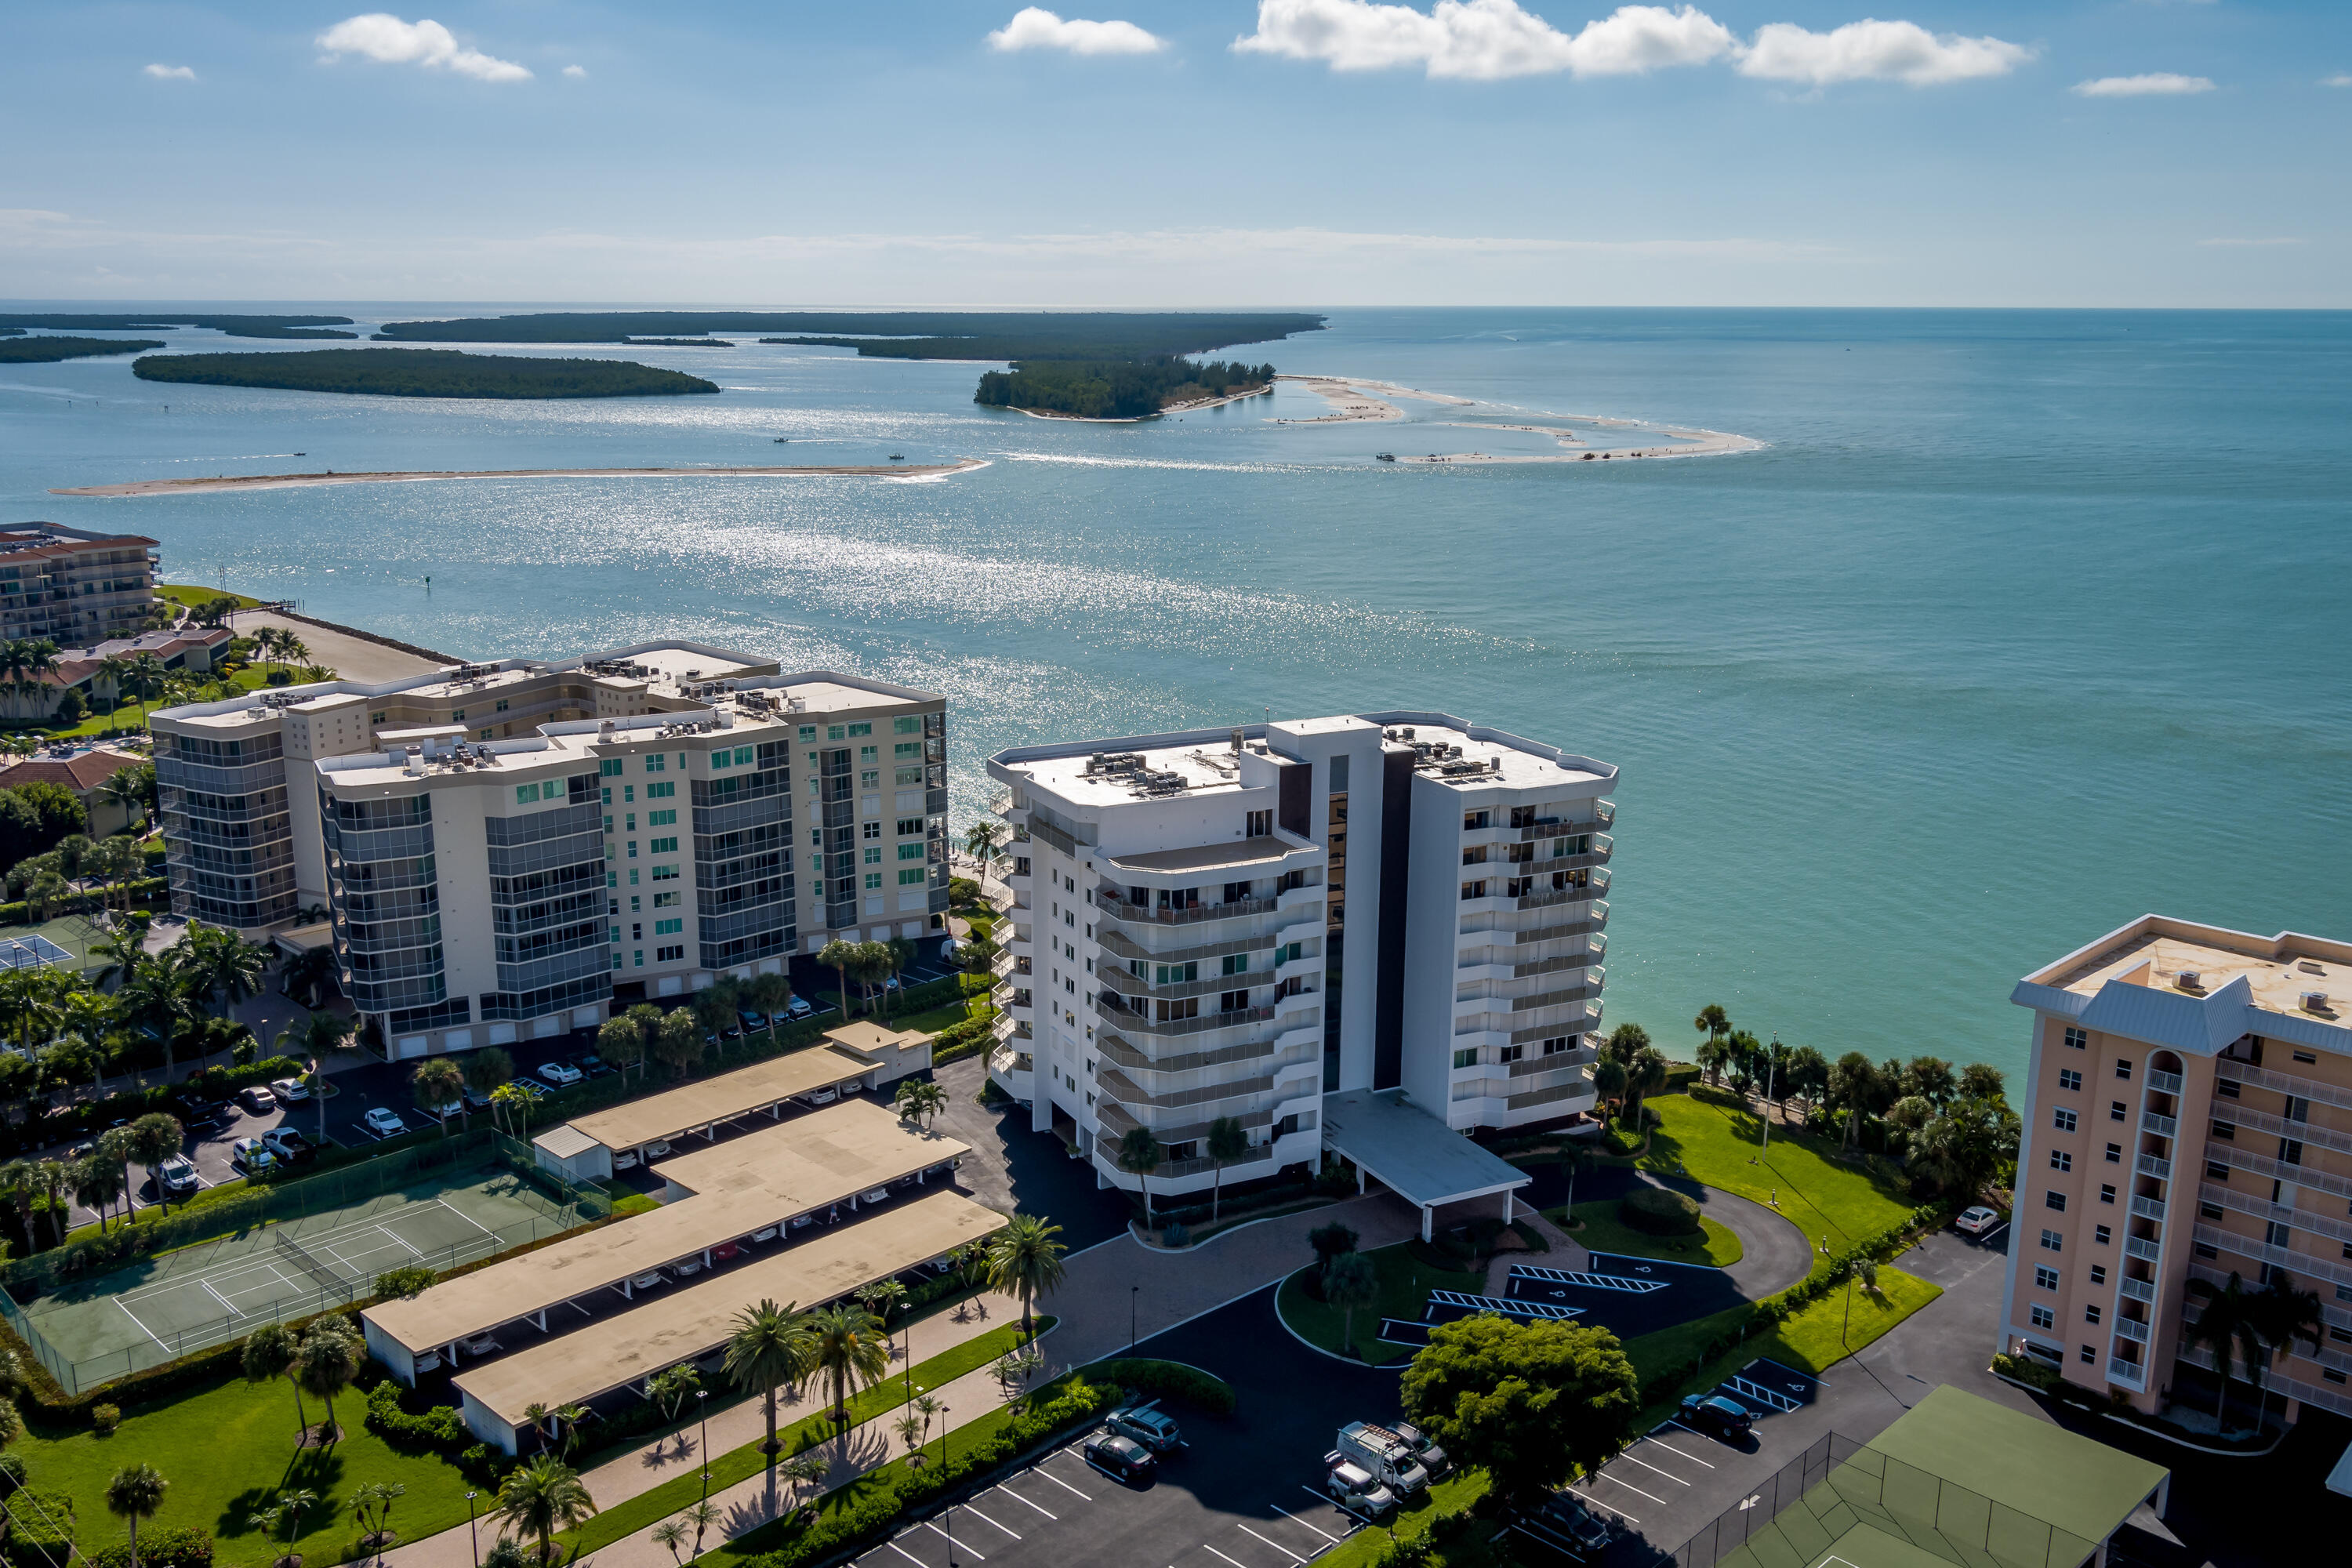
[(2188, 1116)]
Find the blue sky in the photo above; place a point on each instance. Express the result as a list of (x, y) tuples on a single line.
[(1316, 153)]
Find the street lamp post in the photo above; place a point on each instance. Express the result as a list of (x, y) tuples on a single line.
[(1771, 1061), (702, 1405), (1133, 1292), (475, 1534)]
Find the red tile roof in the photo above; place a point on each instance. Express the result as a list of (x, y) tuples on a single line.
[(80, 774)]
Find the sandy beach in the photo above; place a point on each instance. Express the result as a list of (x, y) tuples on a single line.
[(289, 481), (1139, 419)]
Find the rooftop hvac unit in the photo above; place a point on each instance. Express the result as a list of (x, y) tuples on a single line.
[(2315, 1001), (2190, 980), (1408, 732), (1237, 738)]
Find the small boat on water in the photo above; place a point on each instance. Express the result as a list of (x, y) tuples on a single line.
[(1384, 456), (782, 439), (898, 456)]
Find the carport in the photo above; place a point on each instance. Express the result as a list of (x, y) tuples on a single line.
[(691, 1323), (702, 1106), (727, 1192), (1414, 1154)]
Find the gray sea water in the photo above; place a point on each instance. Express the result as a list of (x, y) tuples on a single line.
[(2020, 625)]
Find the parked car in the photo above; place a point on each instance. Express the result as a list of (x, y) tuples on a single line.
[(1976, 1221), (752, 1020), (1432, 1458), (252, 1156), (656, 1149), (799, 1007), (1148, 1425), (1564, 1521), (727, 1252), (290, 1091), (476, 1099), (875, 1195), (648, 1279), (483, 1345), (625, 1160), (1122, 1458), (820, 1097), (1354, 1487), (562, 1075), (383, 1122), (455, 1107), (686, 1268), (83, 1150), (765, 1233), (1714, 1413), (594, 1065), (525, 1087), (288, 1145), (1383, 1455), (256, 1098), (176, 1175)]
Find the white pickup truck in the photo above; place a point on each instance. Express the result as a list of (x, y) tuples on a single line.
[(1388, 1456)]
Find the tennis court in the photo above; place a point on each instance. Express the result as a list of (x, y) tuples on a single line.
[(181, 1301), (32, 951)]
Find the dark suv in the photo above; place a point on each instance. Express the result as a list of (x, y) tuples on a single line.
[(1714, 1413)]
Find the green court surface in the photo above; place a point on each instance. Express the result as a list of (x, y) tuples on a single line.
[(181, 1301)]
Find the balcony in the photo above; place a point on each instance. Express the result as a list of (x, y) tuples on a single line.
[(2310, 1132), (2141, 1247), (1135, 1023), (2162, 1126), (1578, 1057), (1604, 814), (1127, 1092), (1114, 906), (2154, 1165), (2126, 1329), (2164, 1082), (2287, 1083), (1122, 1053), (2135, 1289), (2131, 1374), (1562, 1098), (2148, 1208)]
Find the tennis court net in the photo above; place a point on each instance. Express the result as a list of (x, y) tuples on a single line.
[(324, 1277)]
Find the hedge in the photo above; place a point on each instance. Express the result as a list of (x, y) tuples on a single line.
[(19, 913), (958, 1041), (40, 1531), (440, 1430), (1659, 1210), (1170, 1380), (174, 1546)]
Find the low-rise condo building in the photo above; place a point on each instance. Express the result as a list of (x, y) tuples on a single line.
[(508, 847), (1237, 924), (2187, 1118), (72, 588)]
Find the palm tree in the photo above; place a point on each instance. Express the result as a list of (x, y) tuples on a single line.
[(1645, 1075), (116, 670), (1139, 1155), (1350, 1280), (305, 976), (1609, 1078), (98, 1183), (155, 1138), (269, 1352), (702, 1515), (371, 1506), (490, 1067), (847, 1346), (328, 1359), (839, 957), (670, 1389), (670, 1535), (770, 1346), (1713, 1022), (325, 1035), (440, 1083), (890, 963), (770, 995), (52, 1176), (2230, 1326), (919, 1100), (17, 1185), (541, 1498), (222, 968), (1572, 1157), (146, 677), (620, 1042), (152, 998), (1227, 1142), (135, 1492), (980, 841), (1024, 1260), (118, 1146), (568, 1418)]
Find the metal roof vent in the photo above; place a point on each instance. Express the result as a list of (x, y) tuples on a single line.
[(2315, 1001), (2190, 980)]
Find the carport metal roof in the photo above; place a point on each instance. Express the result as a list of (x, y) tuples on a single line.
[(730, 1094), (1410, 1151), (738, 1187), (693, 1322)]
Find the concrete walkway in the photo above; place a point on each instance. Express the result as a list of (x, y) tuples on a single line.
[(354, 659)]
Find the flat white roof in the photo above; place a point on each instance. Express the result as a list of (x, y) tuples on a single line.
[(1410, 1151), (564, 1143), (739, 1186), (723, 1098), (680, 1324)]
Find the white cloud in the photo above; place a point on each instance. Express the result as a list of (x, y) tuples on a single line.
[(2340, 78), (172, 73), (1484, 40), (576, 73), (1871, 50), (2154, 84), (1487, 40), (385, 38), (1034, 27)]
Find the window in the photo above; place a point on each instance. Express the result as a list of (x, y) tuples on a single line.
[(1510, 1053), (2107, 1192), (2115, 1111), (2103, 1236), (1233, 1001), (869, 753), (808, 732), (2061, 1161), (2208, 1210), (670, 954), (1177, 974), (2215, 1171), (657, 761), (661, 819), (2227, 1088), (872, 777), (2052, 1242), (874, 855), (2076, 1038), (1233, 963), (609, 768), (2090, 1355), (723, 758), (1472, 890), (2044, 1278), (2307, 1058), (2091, 1314), (1259, 824), (833, 731), (2098, 1273), (666, 900), (1468, 1058), (912, 877), (872, 880), (910, 827), (628, 792), (2115, 1153), (910, 851), (2044, 1317), (1473, 821), (909, 750), (661, 874), (670, 927), (2203, 1251), (638, 958), (2062, 1119), (2226, 1130), (2055, 1201), (2122, 1067), (662, 845), (907, 724), (662, 791), (853, 730), (2290, 1151), (2068, 1078), (907, 776)]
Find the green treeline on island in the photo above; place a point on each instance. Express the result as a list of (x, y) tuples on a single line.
[(49, 351), (891, 334), (676, 344), (422, 373), (1116, 389), (231, 326)]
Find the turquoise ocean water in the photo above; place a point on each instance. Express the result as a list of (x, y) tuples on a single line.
[(2020, 625)]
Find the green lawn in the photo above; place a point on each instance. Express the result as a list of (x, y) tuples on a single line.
[(230, 1449), (195, 596), (1814, 1339), (1604, 1231), (883, 1400), (1704, 1135), (1405, 1283)]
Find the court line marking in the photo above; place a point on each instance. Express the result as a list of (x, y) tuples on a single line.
[(1016, 1496), (142, 1327), (1293, 1519), (943, 1535), (221, 1299), (1278, 1545), (1668, 1474), (1618, 1511), (986, 1520)]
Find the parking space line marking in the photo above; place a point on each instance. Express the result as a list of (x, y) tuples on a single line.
[(1040, 1470), (1016, 1496), (1631, 1487), (905, 1553), (1334, 1502), (986, 1520), (1668, 1474), (1278, 1545), (1206, 1547), (1619, 1513), (943, 1535), (1670, 1448), (1296, 1520)]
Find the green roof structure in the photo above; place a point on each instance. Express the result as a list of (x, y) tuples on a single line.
[(1959, 1481)]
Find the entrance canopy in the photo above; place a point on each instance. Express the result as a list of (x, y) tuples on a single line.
[(1412, 1154)]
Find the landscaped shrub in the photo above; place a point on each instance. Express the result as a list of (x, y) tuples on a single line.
[(40, 1530), (2027, 1370), (439, 1430), (105, 1419), (12, 1475), (1169, 1380), (173, 1546), (1660, 1211)]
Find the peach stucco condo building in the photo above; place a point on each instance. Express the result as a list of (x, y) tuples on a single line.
[(2188, 1116)]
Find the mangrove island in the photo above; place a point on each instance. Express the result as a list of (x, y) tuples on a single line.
[(423, 373)]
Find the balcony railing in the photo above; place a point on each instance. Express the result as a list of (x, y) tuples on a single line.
[(1579, 1057), (1130, 1094), (2148, 1208), (2279, 1170), (1137, 1022), (2285, 1083), (1605, 814), (2136, 1290), (1115, 907), (2164, 1082), (2131, 1374), (2301, 1132), (2142, 1248), (1554, 1094), (2154, 1165), (2125, 1328), (2162, 1126)]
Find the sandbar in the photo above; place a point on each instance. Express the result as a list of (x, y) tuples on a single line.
[(1197, 403), (289, 481), (1353, 398)]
